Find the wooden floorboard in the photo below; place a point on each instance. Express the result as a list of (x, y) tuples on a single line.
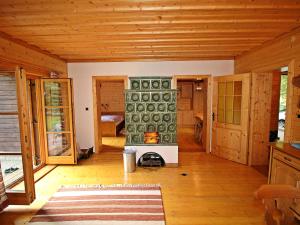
[(187, 141), (214, 192)]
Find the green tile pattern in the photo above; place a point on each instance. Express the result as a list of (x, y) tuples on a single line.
[(150, 105)]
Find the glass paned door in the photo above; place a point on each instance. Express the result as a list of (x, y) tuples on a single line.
[(58, 121), (230, 102), (231, 99)]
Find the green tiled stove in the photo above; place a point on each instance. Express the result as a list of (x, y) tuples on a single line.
[(150, 106)]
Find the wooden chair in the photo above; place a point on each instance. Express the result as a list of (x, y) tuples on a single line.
[(278, 200), (198, 130)]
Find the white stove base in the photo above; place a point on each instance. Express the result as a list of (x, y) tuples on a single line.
[(168, 152)]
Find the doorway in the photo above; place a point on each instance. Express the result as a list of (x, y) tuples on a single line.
[(282, 102), (109, 112), (268, 107), (192, 113), (278, 104)]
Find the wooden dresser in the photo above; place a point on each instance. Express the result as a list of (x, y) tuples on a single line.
[(284, 167)]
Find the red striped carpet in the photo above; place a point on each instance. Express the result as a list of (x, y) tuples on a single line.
[(103, 205)]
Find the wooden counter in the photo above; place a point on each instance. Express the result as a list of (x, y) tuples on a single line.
[(284, 165), (287, 149), (284, 168)]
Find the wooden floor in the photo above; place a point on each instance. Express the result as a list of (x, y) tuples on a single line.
[(113, 144), (214, 192), (186, 141)]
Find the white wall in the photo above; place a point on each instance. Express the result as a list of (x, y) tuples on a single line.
[(82, 76)]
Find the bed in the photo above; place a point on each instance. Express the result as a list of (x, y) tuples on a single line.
[(112, 124)]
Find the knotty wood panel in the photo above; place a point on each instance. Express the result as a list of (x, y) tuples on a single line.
[(261, 96), (147, 30), (229, 144)]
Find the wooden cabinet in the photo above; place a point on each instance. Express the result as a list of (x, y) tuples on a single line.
[(284, 169), (284, 174)]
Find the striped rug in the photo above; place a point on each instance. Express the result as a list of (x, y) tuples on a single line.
[(103, 205)]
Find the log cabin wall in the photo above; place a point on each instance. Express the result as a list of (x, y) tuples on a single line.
[(283, 51), (111, 96), (16, 53)]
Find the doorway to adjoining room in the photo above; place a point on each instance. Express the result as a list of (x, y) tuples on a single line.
[(191, 113), (110, 112)]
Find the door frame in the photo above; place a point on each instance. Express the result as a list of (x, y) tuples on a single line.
[(96, 105), (40, 126), (208, 103)]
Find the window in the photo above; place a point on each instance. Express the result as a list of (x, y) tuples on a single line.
[(230, 102)]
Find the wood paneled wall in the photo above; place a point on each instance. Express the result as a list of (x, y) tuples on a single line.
[(189, 103), (284, 51), (261, 95), (13, 53), (112, 96)]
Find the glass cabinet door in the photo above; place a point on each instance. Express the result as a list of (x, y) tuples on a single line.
[(58, 121)]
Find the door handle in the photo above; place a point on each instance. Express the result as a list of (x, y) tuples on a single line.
[(213, 116)]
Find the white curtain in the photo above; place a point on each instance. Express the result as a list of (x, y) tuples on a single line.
[(3, 197)]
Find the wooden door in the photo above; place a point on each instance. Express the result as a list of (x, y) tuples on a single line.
[(231, 101), (260, 117), (58, 121)]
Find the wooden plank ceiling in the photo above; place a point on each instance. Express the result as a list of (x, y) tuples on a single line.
[(132, 30)]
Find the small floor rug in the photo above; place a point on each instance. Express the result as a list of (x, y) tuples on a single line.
[(103, 205)]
